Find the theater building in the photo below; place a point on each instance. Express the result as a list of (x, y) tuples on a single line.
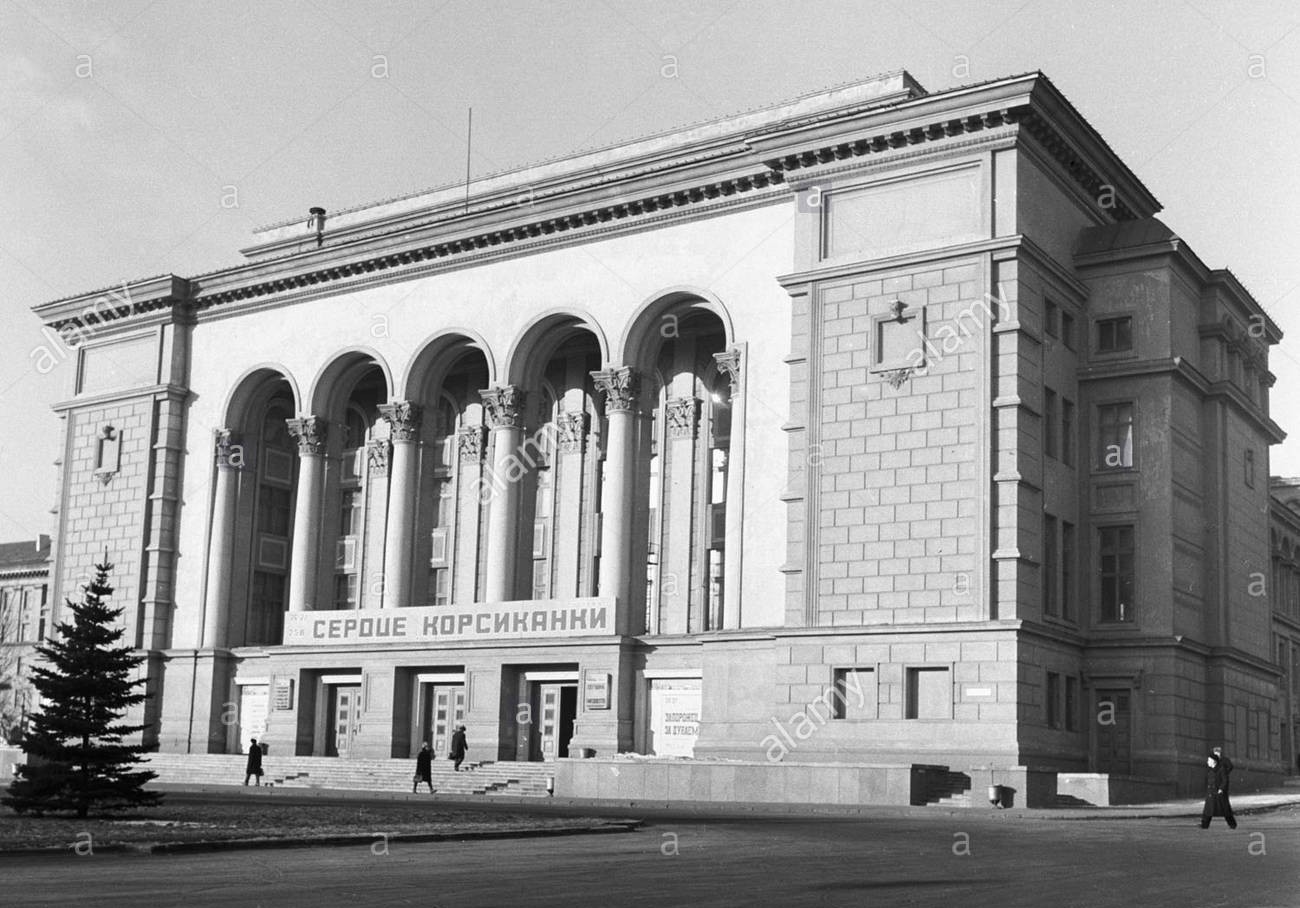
[(874, 427)]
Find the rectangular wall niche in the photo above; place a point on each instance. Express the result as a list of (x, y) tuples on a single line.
[(929, 693)]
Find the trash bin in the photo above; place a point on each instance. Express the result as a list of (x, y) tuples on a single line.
[(996, 795)]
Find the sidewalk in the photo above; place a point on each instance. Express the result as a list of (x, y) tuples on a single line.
[(1243, 805)]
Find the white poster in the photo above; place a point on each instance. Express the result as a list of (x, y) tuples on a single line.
[(252, 712), (674, 721)]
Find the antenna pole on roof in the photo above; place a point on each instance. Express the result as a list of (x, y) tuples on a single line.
[(469, 140)]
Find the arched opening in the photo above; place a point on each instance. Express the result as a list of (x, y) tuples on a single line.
[(683, 461), (558, 464), (355, 495), (450, 556), (263, 455)]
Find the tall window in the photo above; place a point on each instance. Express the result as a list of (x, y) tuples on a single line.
[(1250, 468), (1053, 700), (351, 513), (1071, 703), (1115, 436), (274, 459), (1115, 335), (1049, 568), (443, 502), (1115, 545), (1067, 330), (1049, 423), (1067, 431), (1067, 570)]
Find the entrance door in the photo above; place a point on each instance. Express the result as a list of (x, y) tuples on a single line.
[(555, 707), (344, 719), (444, 709), (1114, 731)]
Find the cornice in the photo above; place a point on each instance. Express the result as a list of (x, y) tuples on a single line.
[(177, 393), (688, 170)]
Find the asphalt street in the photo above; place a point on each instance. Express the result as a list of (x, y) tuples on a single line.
[(968, 860)]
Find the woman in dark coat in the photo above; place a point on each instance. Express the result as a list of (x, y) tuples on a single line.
[(254, 767), (1216, 792), (423, 769), (458, 747)]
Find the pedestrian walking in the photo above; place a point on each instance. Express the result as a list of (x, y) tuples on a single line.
[(254, 767), (1217, 771), (458, 747), (423, 769)]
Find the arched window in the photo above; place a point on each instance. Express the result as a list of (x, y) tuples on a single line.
[(275, 461)]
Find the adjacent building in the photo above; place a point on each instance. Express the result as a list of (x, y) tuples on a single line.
[(24, 621), (876, 426)]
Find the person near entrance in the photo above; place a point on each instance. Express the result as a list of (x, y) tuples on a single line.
[(253, 770), (423, 769), (1217, 771), (458, 747)]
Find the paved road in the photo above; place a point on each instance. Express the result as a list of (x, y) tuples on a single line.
[(1012, 862)]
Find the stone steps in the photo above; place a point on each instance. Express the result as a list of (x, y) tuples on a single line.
[(489, 778)]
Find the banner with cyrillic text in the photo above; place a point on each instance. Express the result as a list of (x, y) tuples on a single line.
[(453, 623)]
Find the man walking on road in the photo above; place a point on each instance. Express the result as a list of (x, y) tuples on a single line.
[(423, 769), (254, 767), (1217, 770)]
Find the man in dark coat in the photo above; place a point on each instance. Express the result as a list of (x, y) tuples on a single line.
[(254, 767), (458, 747), (423, 769), (1217, 772)]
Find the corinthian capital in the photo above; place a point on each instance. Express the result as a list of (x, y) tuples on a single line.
[(683, 417), (729, 365), (309, 432), (505, 406), (620, 387), (404, 418)]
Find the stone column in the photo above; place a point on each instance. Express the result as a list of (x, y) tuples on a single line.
[(570, 454), (372, 591), (505, 406), (729, 364), (309, 431), (404, 418), (471, 446), (222, 543), (680, 559), (620, 387)]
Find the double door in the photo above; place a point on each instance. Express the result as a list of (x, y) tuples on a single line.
[(1114, 724), (554, 707), (443, 708), (344, 719)]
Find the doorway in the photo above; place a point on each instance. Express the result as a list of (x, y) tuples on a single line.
[(1114, 752), (442, 708), (554, 707), (343, 719)]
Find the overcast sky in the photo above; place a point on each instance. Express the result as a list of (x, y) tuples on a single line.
[(138, 138)]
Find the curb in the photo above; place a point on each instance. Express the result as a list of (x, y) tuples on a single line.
[(329, 841)]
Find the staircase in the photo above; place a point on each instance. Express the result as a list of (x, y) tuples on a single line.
[(948, 789), (502, 778)]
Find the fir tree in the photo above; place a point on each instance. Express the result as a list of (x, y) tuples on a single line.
[(76, 755)]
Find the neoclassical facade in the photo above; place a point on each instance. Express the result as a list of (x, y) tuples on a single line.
[(877, 426)]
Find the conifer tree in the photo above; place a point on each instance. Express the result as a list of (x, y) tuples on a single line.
[(76, 756)]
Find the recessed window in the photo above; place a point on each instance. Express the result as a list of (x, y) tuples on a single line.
[(1071, 704), (1053, 700), (929, 694), (1115, 549), (1049, 566), (1067, 570), (854, 694), (1049, 423), (1115, 436), (1067, 431), (1067, 330), (1050, 317), (1115, 335), (1250, 468)]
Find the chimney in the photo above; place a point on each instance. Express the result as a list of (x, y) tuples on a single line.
[(316, 223)]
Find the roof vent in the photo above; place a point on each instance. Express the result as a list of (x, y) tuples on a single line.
[(316, 223)]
